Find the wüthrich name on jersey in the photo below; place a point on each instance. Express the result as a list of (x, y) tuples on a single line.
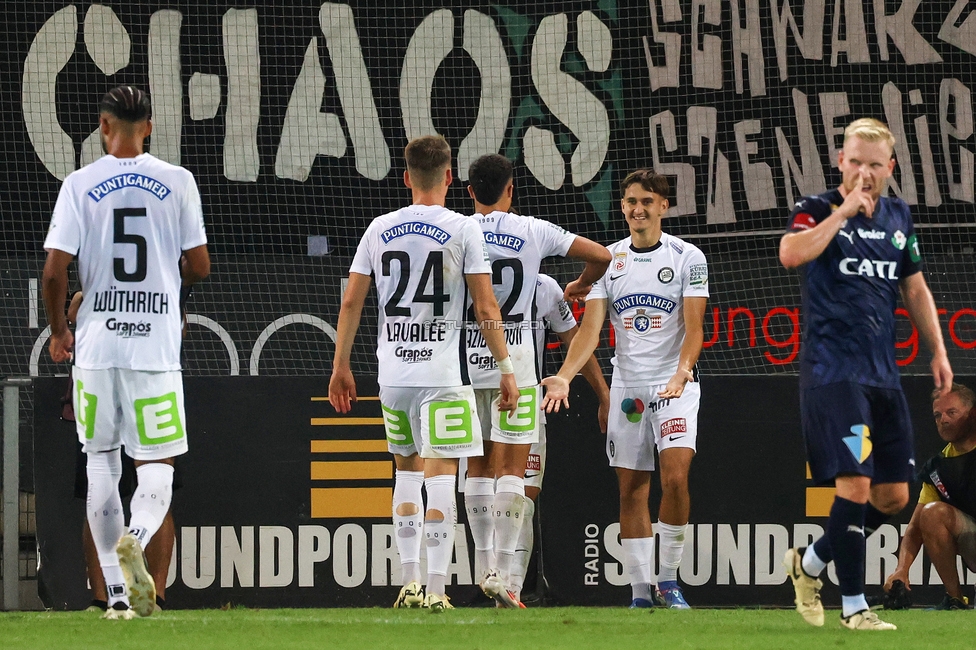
[(131, 302)]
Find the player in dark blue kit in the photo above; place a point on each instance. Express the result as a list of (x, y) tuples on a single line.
[(858, 251)]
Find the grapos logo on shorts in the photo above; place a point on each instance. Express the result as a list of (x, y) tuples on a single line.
[(158, 419), (85, 408), (450, 423), (523, 420), (397, 427)]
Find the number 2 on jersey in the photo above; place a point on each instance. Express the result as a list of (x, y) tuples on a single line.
[(433, 270)]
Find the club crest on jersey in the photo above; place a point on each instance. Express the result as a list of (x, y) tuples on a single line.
[(641, 322), (898, 240), (619, 262), (646, 300), (665, 275), (510, 242), (123, 181), (416, 228)]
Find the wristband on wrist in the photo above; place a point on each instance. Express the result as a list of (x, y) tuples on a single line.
[(506, 366)]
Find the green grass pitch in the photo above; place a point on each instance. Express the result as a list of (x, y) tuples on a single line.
[(488, 629)]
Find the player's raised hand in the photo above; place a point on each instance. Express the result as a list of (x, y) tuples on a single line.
[(342, 390), (576, 291), (61, 345), (858, 200), (509, 393), (557, 394), (676, 385)]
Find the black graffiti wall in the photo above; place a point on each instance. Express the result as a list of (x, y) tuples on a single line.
[(293, 117)]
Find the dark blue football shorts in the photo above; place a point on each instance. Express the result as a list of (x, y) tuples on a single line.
[(849, 428)]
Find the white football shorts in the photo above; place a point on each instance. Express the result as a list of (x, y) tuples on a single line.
[(434, 422), (640, 421), (520, 428), (142, 410)]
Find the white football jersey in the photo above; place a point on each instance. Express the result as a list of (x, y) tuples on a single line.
[(644, 290), (128, 220), (516, 246), (554, 313), (418, 257)]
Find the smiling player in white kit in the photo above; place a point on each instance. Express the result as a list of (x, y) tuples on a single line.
[(656, 288), (128, 217)]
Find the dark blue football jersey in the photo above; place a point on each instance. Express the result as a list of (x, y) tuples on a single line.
[(850, 292)]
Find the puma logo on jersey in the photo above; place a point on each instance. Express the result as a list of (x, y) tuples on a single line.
[(849, 235)]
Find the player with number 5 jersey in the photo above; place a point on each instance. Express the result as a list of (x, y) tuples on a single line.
[(425, 260), (130, 219)]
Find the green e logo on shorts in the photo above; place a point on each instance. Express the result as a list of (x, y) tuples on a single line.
[(162, 415), (450, 423), (86, 405), (523, 420), (397, 427)]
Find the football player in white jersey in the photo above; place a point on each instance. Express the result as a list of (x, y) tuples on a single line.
[(656, 288), (128, 217), (424, 258), (494, 490), (555, 315)]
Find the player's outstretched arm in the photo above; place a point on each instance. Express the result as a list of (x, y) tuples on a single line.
[(597, 259), (691, 347), (921, 308), (908, 550), (54, 289), (593, 374), (489, 318), (798, 248), (580, 349), (342, 385)]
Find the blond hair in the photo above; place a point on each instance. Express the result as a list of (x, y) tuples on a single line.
[(870, 130)]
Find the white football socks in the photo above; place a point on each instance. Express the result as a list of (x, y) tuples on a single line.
[(507, 508), (672, 546), (106, 519), (479, 494), (639, 563), (151, 500), (439, 530), (523, 550), (409, 528)]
